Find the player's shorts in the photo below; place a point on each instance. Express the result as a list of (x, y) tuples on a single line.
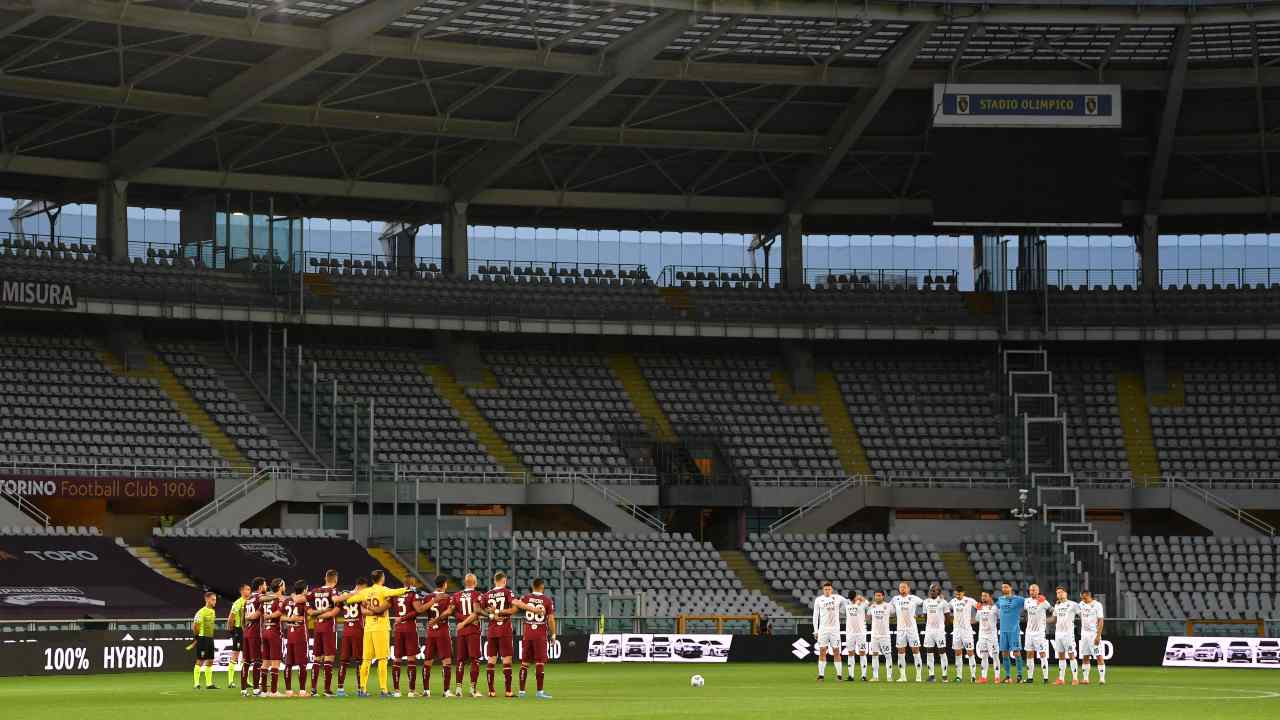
[(909, 637), (295, 653), (856, 644), (237, 639), (407, 642), (252, 648), (935, 639), (324, 643), (1064, 646), (1089, 648), (376, 644), (351, 646), (987, 646), (500, 647), (1009, 641), (439, 647), (882, 645), (533, 649), (468, 647), (828, 639), (204, 648), (1036, 643), (271, 646), (962, 641)]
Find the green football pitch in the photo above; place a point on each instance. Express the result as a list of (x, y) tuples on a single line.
[(653, 691)]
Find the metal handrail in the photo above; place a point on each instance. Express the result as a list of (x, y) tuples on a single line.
[(27, 508), (624, 478), (228, 497), (1223, 505), (823, 498), (623, 502)]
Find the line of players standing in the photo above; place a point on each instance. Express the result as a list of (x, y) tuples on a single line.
[(272, 629), (997, 641)]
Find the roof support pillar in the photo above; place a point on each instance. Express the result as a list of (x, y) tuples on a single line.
[(793, 251), (1149, 238), (113, 219), (453, 240)]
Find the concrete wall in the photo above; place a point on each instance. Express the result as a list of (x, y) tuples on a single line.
[(948, 534)]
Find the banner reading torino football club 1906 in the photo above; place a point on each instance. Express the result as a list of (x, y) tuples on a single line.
[(644, 647)]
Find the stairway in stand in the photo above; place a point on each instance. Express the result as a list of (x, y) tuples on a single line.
[(216, 357), (456, 395), (753, 580), (961, 572), (390, 563), (191, 410), (835, 416), (637, 387), (1135, 418), (154, 560)]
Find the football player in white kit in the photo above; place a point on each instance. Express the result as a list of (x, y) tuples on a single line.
[(905, 607), (935, 629), (962, 608), (855, 632), (828, 608), (1036, 644), (1064, 638), (988, 645), (1091, 636), (879, 612)]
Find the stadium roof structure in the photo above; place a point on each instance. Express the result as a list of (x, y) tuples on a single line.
[(682, 114)]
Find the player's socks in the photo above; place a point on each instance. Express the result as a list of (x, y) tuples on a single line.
[(1022, 666), (244, 676), (288, 679), (506, 678), (395, 674), (931, 665), (315, 675), (973, 667), (946, 665), (1062, 669), (1102, 673), (475, 675), (1075, 669), (362, 680), (875, 667), (1086, 670), (342, 675), (382, 676), (1044, 663), (1005, 664), (822, 667), (862, 665), (524, 676), (232, 671), (275, 680), (915, 657), (539, 672), (426, 678), (447, 676), (413, 675), (195, 676), (839, 669), (208, 675), (490, 677)]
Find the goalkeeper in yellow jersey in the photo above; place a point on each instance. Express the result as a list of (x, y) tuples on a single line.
[(377, 629)]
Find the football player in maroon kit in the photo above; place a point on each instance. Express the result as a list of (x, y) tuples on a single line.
[(467, 604), (437, 609), (272, 648), (294, 621), (324, 602), (499, 606), (352, 651), (251, 667), (539, 634), (405, 641)]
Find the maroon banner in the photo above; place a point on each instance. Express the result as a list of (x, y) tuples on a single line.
[(108, 488)]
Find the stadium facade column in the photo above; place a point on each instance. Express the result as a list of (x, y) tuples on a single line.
[(793, 251), (453, 240), (197, 225), (1149, 252), (406, 250), (113, 219)]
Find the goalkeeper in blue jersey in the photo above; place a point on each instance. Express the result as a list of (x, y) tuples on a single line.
[(1010, 607)]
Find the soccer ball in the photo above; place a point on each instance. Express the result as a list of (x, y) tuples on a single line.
[(697, 681)]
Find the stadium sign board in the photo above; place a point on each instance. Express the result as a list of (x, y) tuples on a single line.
[(108, 488), (37, 293), (1048, 106), (1221, 652), (663, 648)]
